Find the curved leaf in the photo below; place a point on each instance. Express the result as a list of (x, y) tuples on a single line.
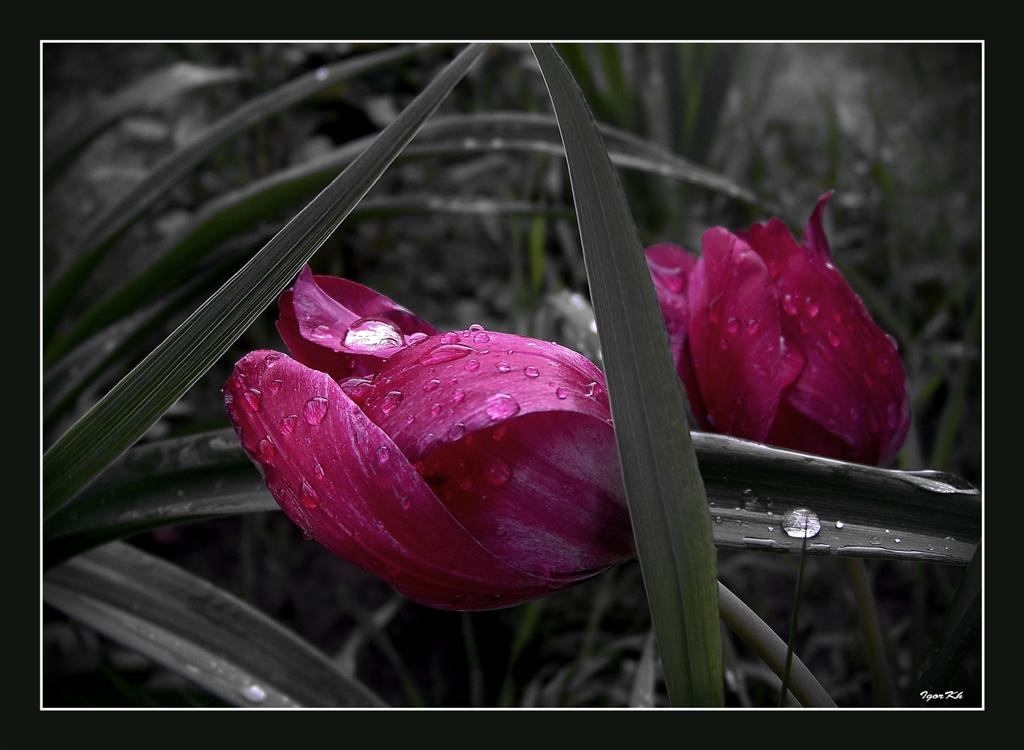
[(197, 630)]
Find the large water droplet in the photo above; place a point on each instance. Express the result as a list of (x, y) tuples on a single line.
[(531, 372), (481, 338), (801, 523), (497, 473), (390, 402), (450, 338), (562, 393), (373, 336), (503, 367), (446, 353), (415, 338), (315, 410), (456, 431), (501, 406), (476, 327), (288, 424), (472, 365)]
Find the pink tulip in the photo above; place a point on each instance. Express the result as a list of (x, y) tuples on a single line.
[(469, 469), (774, 346)]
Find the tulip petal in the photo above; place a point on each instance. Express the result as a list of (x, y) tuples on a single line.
[(515, 437), (670, 267), (341, 327), (340, 478), (814, 233), (852, 383), (735, 337)]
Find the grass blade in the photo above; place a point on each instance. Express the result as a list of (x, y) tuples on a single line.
[(664, 489), (784, 687), (113, 221), (961, 631), (208, 475), (871, 630), (197, 630), (158, 381), (753, 631)]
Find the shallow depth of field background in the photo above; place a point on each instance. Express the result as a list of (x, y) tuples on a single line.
[(895, 129)]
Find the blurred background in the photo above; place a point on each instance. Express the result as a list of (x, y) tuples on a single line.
[(476, 227)]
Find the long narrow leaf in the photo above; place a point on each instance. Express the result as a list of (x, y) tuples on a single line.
[(209, 476), (146, 392), (112, 222), (664, 490), (197, 630)]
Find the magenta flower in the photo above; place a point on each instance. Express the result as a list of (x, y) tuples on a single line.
[(469, 469), (774, 346)]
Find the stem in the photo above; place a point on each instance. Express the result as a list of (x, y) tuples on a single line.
[(793, 620), (874, 644), (753, 631)]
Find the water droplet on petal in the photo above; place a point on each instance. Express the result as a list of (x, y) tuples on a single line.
[(723, 344), (801, 523), (562, 393), (531, 372), (447, 353), (732, 325), (481, 338), (476, 327), (788, 305), (266, 450), (497, 473), (318, 470), (450, 338), (812, 307), (275, 387), (308, 495), (458, 396), (252, 400), (833, 339), (288, 424), (373, 336), (590, 389), (321, 332), (875, 540), (501, 406), (315, 410), (431, 385), (415, 338), (383, 455), (435, 410), (503, 367), (456, 431), (472, 365), (390, 402)]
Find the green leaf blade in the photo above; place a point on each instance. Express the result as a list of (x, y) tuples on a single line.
[(664, 489)]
